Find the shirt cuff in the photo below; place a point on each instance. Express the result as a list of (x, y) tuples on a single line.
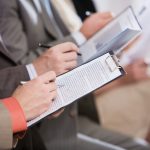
[(79, 38), (31, 71), (17, 115)]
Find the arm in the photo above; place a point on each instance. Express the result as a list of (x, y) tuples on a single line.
[(15, 36), (27, 102)]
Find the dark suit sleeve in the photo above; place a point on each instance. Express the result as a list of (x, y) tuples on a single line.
[(10, 79)]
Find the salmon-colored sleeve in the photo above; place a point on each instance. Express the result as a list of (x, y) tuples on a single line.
[(17, 115)]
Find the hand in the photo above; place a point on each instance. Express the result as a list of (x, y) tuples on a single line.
[(137, 71), (60, 58), (56, 114), (35, 97), (94, 23)]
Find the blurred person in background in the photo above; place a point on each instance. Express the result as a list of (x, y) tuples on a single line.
[(123, 105)]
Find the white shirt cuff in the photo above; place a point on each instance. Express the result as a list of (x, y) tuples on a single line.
[(79, 38), (31, 71)]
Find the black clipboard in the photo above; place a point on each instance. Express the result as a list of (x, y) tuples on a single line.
[(118, 67)]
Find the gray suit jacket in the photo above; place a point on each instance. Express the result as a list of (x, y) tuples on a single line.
[(10, 77), (22, 35)]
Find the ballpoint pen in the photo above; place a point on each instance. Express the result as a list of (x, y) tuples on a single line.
[(24, 82), (49, 46)]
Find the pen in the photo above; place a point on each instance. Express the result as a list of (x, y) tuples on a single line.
[(24, 82), (49, 46), (88, 13)]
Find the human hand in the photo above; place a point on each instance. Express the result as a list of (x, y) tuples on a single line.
[(35, 97), (56, 114), (94, 23), (137, 71), (60, 58)]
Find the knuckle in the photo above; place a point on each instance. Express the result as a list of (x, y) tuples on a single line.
[(72, 46), (75, 63), (38, 80), (44, 90), (46, 104), (52, 74), (75, 56), (57, 59)]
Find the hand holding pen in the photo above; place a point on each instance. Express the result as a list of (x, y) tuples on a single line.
[(60, 58), (49, 46)]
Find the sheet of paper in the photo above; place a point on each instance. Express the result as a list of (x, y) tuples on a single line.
[(141, 49), (125, 22), (81, 81)]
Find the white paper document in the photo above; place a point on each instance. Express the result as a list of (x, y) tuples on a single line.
[(114, 37), (140, 49), (83, 80)]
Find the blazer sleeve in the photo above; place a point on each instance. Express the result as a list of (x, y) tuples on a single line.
[(15, 35), (6, 133), (10, 79)]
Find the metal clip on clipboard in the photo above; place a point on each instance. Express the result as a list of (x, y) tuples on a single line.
[(112, 62)]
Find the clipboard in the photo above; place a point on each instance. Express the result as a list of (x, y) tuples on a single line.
[(72, 82), (115, 36)]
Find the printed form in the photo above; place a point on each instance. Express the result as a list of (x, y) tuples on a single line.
[(81, 81)]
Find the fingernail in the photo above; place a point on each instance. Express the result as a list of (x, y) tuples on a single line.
[(113, 14), (147, 61)]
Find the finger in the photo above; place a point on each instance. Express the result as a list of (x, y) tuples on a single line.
[(49, 76), (51, 86), (68, 46), (66, 70), (104, 22), (58, 113), (106, 15), (70, 65), (52, 95), (70, 56)]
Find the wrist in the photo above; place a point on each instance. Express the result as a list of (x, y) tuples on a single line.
[(17, 114), (41, 65), (84, 33)]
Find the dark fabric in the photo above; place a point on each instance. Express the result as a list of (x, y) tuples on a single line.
[(94, 130), (60, 133), (87, 108), (31, 141), (10, 79), (82, 6)]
